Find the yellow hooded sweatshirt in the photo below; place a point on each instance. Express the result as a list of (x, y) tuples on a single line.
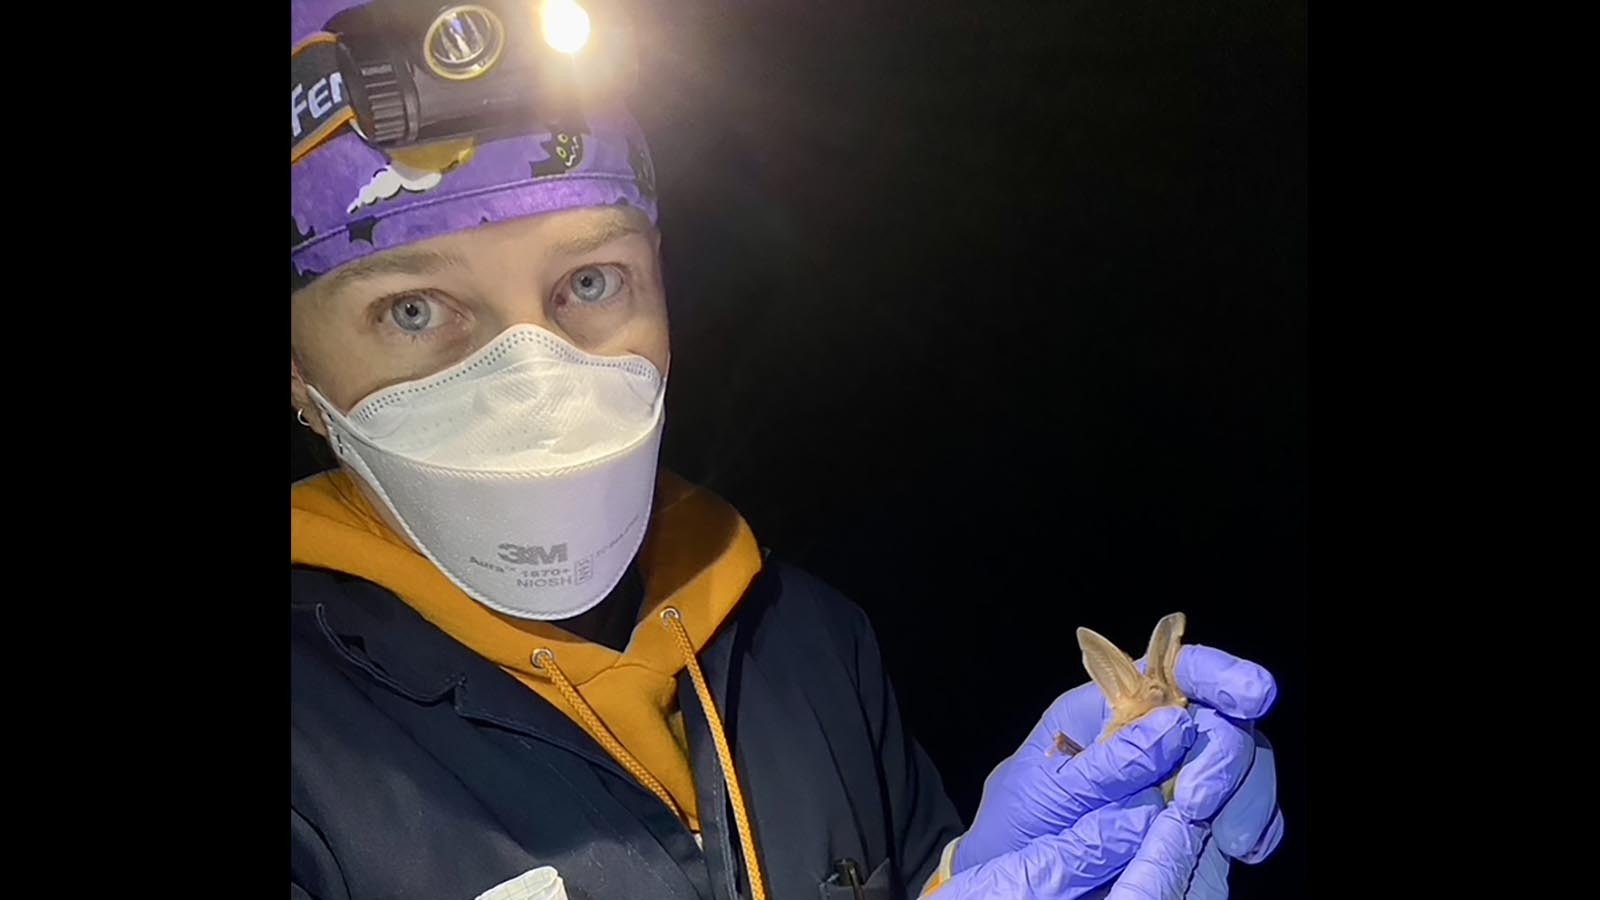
[(698, 558)]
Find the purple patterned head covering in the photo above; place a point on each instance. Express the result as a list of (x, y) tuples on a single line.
[(349, 199)]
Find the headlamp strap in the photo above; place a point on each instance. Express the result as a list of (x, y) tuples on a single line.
[(319, 103)]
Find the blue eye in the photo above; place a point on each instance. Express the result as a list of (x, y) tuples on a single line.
[(592, 284), (412, 313)]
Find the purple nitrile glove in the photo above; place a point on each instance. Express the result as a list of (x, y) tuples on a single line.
[(1186, 853), (1225, 797), (1072, 865), (1032, 795)]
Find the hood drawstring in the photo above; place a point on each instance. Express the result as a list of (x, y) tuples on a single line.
[(545, 660), (747, 841)]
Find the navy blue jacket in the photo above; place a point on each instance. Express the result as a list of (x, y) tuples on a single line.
[(421, 770)]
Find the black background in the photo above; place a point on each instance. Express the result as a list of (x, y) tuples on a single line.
[(993, 315)]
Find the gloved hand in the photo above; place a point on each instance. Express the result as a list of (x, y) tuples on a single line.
[(1103, 805), (1152, 848), (1227, 780), (1184, 857)]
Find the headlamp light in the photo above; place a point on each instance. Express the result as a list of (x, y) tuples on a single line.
[(565, 25)]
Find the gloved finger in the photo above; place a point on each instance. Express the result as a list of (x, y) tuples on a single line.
[(1065, 866), (1268, 843), (1028, 797), (1234, 687), (1139, 756), (1215, 766), (1210, 880), (1165, 862), (1244, 825)]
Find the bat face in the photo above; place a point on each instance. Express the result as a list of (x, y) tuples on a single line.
[(1152, 694)]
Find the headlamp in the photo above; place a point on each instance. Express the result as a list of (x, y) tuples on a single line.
[(421, 71)]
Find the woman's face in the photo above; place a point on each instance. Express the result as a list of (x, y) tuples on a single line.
[(589, 275)]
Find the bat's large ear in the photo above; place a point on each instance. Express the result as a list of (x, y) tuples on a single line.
[(1161, 660), (1110, 668)]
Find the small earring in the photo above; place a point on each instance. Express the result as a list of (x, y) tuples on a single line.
[(300, 416)]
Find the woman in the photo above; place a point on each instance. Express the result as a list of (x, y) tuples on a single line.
[(527, 662)]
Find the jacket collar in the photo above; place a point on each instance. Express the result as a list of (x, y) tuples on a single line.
[(380, 635)]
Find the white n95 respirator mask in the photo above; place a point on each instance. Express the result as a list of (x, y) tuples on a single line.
[(525, 472)]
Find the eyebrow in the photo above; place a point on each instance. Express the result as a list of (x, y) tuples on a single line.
[(400, 262), (602, 234)]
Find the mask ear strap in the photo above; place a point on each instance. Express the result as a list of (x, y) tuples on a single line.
[(338, 426), (343, 438)]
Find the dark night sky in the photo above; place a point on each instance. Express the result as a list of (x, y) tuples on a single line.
[(994, 316)]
